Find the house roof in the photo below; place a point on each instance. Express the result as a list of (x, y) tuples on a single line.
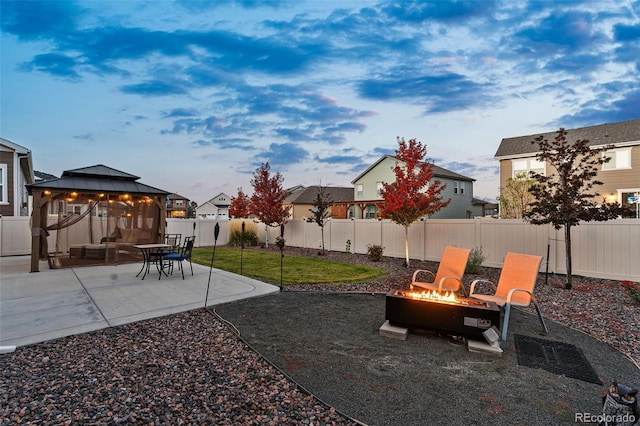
[(309, 194), (176, 197), (40, 176), (601, 134), (24, 156), (438, 172), (213, 202), (98, 178)]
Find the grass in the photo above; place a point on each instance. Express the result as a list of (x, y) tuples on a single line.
[(265, 266)]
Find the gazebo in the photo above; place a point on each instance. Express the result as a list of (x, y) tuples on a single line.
[(94, 215)]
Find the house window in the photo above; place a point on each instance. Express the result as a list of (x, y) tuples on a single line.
[(371, 212), (378, 188), (526, 166), (458, 187), (620, 159), (359, 190), (3, 184), (179, 202)]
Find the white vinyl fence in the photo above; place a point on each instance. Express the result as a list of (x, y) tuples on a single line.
[(600, 249)]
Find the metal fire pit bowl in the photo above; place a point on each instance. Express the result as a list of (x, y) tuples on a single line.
[(466, 317)]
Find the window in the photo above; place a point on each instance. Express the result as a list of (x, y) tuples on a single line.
[(620, 159), (378, 188), (3, 184), (371, 212), (179, 202), (526, 166), (458, 187), (359, 190)]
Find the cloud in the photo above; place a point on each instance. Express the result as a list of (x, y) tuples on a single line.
[(85, 137), (283, 154), (153, 88), (55, 64), (439, 92), (39, 20), (454, 11)]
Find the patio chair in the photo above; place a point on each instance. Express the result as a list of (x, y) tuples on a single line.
[(515, 286), (180, 256), (449, 274), (170, 239)]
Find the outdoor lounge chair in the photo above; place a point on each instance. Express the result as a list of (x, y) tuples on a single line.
[(515, 286), (449, 274)]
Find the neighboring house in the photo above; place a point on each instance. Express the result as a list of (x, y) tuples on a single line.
[(482, 208), (215, 208), (620, 176), (368, 187), (301, 201), (177, 206), (16, 171)]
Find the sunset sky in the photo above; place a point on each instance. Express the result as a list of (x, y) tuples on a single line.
[(193, 96)]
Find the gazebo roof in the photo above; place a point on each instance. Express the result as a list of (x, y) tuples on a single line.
[(98, 178)]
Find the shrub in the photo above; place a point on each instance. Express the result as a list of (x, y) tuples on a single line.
[(475, 260), (374, 252), (250, 234)]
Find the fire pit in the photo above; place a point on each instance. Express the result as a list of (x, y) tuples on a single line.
[(442, 312)]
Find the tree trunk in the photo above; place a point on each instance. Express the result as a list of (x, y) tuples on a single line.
[(266, 235), (567, 239), (406, 245), (322, 236)]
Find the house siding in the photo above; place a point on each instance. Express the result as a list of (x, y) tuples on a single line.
[(623, 178), (381, 173)]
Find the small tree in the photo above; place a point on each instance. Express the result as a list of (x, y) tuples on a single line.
[(191, 209), (516, 196), (412, 195), (564, 198), (240, 205), (321, 210), (267, 198)]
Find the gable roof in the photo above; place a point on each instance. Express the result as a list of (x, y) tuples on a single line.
[(601, 134), (309, 194), (25, 158), (213, 202), (98, 178), (437, 171)]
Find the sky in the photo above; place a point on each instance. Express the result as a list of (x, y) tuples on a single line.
[(193, 96)]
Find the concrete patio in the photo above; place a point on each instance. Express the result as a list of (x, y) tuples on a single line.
[(54, 303)]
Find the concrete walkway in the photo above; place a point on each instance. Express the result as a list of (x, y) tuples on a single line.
[(40, 306)]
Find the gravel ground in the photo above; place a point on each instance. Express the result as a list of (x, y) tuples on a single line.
[(191, 369)]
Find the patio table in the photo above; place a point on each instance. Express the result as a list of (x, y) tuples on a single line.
[(146, 250)]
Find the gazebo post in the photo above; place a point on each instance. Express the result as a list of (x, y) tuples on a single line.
[(35, 231)]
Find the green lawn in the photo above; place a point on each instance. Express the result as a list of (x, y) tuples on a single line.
[(265, 266)]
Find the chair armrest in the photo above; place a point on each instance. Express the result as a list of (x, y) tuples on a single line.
[(473, 286), (514, 290), (415, 274), (460, 285)]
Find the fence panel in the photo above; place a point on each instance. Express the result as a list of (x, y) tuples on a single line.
[(340, 231), (600, 249), (16, 235)]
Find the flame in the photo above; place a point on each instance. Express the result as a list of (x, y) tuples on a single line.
[(433, 296)]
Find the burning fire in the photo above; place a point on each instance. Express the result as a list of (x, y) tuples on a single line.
[(433, 296)]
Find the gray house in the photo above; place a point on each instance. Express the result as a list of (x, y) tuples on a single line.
[(368, 187)]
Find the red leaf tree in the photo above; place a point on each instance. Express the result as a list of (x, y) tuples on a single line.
[(267, 198), (240, 205), (412, 195)]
